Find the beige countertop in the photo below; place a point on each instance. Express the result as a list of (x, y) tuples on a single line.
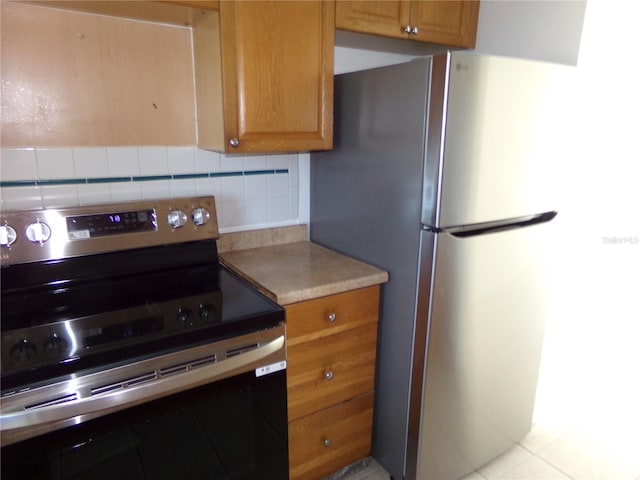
[(298, 271)]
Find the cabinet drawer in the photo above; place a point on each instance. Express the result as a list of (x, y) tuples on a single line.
[(326, 441), (330, 370), (328, 315)]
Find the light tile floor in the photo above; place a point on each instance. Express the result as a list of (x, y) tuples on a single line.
[(591, 450), (596, 449)]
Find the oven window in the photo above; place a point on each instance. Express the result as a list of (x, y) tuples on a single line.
[(232, 429)]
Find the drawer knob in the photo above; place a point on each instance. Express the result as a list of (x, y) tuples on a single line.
[(326, 442), (331, 317), (328, 375)]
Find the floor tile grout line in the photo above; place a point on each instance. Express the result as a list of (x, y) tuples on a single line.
[(549, 445), (513, 467), (555, 467), (565, 431)]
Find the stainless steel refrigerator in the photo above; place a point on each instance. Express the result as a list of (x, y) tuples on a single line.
[(442, 174)]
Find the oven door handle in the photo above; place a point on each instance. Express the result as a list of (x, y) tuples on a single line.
[(103, 404)]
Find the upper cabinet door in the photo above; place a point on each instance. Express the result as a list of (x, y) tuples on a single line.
[(451, 23), (445, 22), (386, 18), (277, 67)]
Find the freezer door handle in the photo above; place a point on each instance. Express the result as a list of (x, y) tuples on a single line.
[(499, 225)]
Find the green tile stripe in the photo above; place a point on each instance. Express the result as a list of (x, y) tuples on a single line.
[(150, 178), (140, 178), (109, 180), (19, 183)]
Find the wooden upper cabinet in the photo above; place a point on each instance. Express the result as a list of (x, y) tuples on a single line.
[(263, 73), (277, 76), (448, 23), (451, 23), (386, 18)]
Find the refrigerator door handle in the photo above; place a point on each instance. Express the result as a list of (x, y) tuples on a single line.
[(498, 226)]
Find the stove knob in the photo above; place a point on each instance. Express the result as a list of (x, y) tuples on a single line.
[(185, 317), (207, 313), (38, 232), (8, 235), (55, 345), (177, 218), (23, 351), (200, 216)]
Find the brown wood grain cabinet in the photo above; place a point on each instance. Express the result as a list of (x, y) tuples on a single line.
[(171, 12), (451, 23), (263, 74), (84, 80), (275, 92), (331, 351), (333, 438)]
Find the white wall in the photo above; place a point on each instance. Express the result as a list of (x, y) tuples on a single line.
[(592, 360), (546, 30), (591, 354)]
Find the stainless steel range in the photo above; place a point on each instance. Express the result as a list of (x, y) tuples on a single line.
[(127, 349)]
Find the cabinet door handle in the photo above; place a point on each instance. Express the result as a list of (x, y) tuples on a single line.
[(331, 317), (407, 29), (414, 30), (234, 142), (326, 442), (328, 375)]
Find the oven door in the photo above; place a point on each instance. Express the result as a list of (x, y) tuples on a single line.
[(218, 413)]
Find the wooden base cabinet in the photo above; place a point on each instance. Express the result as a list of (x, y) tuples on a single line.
[(445, 22), (331, 352), (326, 441)]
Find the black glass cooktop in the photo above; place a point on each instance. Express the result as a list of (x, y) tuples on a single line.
[(63, 317)]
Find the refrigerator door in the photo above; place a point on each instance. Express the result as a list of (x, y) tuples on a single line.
[(499, 137), (486, 324)]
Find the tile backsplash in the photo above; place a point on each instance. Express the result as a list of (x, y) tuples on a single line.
[(252, 191)]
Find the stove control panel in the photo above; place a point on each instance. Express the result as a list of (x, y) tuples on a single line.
[(48, 234), (82, 227)]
